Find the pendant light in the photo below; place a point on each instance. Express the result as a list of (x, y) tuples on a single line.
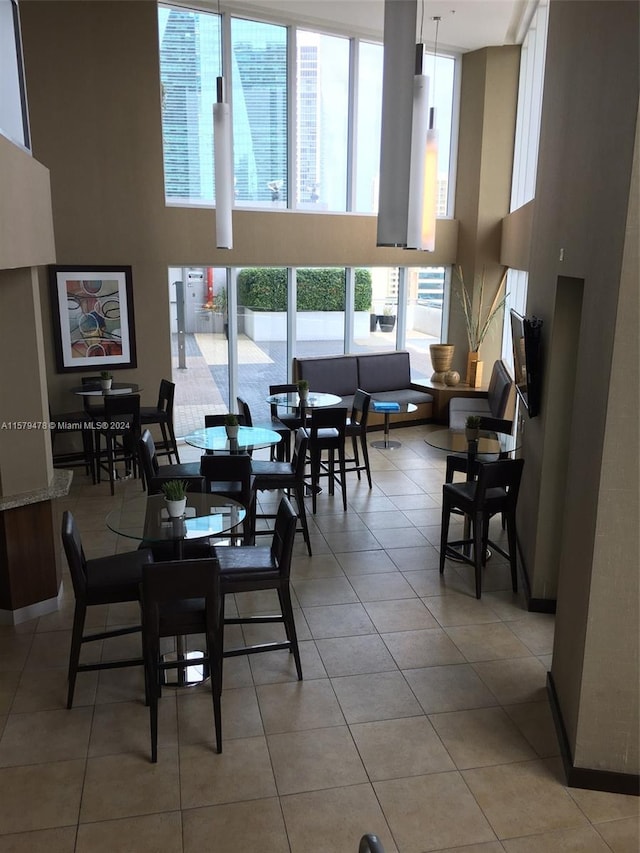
[(423, 180), (223, 155), (408, 153)]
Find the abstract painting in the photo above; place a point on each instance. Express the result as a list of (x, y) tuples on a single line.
[(92, 317)]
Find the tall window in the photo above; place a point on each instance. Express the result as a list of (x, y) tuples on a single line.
[(441, 72), (525, 155), (259, 80), (368, 122), (334, 164), (323, 114), (189, 65)]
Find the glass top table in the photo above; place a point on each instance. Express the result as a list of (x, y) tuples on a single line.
[(249, 438), (315, 400), (490, 444), (403, 408), (145, 519)]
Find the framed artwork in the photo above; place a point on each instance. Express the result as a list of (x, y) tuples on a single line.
[(93, 325)]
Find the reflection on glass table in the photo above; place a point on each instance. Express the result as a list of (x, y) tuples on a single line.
[(146, 519), (94, 390), (249, 438)]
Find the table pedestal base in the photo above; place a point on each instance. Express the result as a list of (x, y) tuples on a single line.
[(185, 676), (462, 554), (386, 444)]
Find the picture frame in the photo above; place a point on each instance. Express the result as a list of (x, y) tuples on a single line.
[(93, 319)]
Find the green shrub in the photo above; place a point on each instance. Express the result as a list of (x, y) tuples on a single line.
[(265, 289)]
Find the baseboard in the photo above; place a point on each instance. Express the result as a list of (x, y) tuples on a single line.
[(534, 605), (584, 777)]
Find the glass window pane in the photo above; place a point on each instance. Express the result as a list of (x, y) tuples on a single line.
[(189, 65), (199, 344), (441, 78), (322, 121), (259, 76), (368, 123), (320, 311), (375, 324), (262, 335), (425, 297)]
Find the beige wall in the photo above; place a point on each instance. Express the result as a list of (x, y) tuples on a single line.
[(26, 224), (515, 243), (611, 675), (94, 100), (577, 285), (488, 104)]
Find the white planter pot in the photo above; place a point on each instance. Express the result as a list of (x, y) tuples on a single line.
[(175, 509), (105, 384), (232, 432)]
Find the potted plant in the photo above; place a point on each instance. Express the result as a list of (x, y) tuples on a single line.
[(303, 390), (231, 426), (175, 495), (472, 427), (387, 320), (106, 378)]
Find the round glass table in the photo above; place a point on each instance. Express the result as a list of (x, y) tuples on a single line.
[(403, 409), (315, 400), (489, 446), (145, 519), (249, 438)]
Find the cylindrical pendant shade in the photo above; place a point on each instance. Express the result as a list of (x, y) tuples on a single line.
[(430, 198), (223, 174), (417, 173)]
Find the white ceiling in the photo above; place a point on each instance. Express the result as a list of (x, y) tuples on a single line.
[(465, 24)]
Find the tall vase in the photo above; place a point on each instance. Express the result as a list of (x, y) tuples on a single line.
[(441, 358), (474, 370)]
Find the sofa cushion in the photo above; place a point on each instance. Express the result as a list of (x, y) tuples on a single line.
[(499, 390), (331, 374), (388, 371)]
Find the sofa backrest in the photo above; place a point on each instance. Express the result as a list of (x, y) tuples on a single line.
[(500, 391), (330, 374), (384, 371)]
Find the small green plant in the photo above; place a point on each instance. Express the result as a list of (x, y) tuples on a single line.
[(231, 420), (105, 374), (473, 422), (175, 490), (303, 385), (388, 311)]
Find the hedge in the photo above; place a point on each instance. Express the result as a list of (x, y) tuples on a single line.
[(265, 289)]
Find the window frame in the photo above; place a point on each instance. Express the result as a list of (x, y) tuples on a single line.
[(355, 39)]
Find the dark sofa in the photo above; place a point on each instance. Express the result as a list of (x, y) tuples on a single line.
[(384, 375)]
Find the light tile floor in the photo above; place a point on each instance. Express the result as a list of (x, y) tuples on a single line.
[(423, 715)]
